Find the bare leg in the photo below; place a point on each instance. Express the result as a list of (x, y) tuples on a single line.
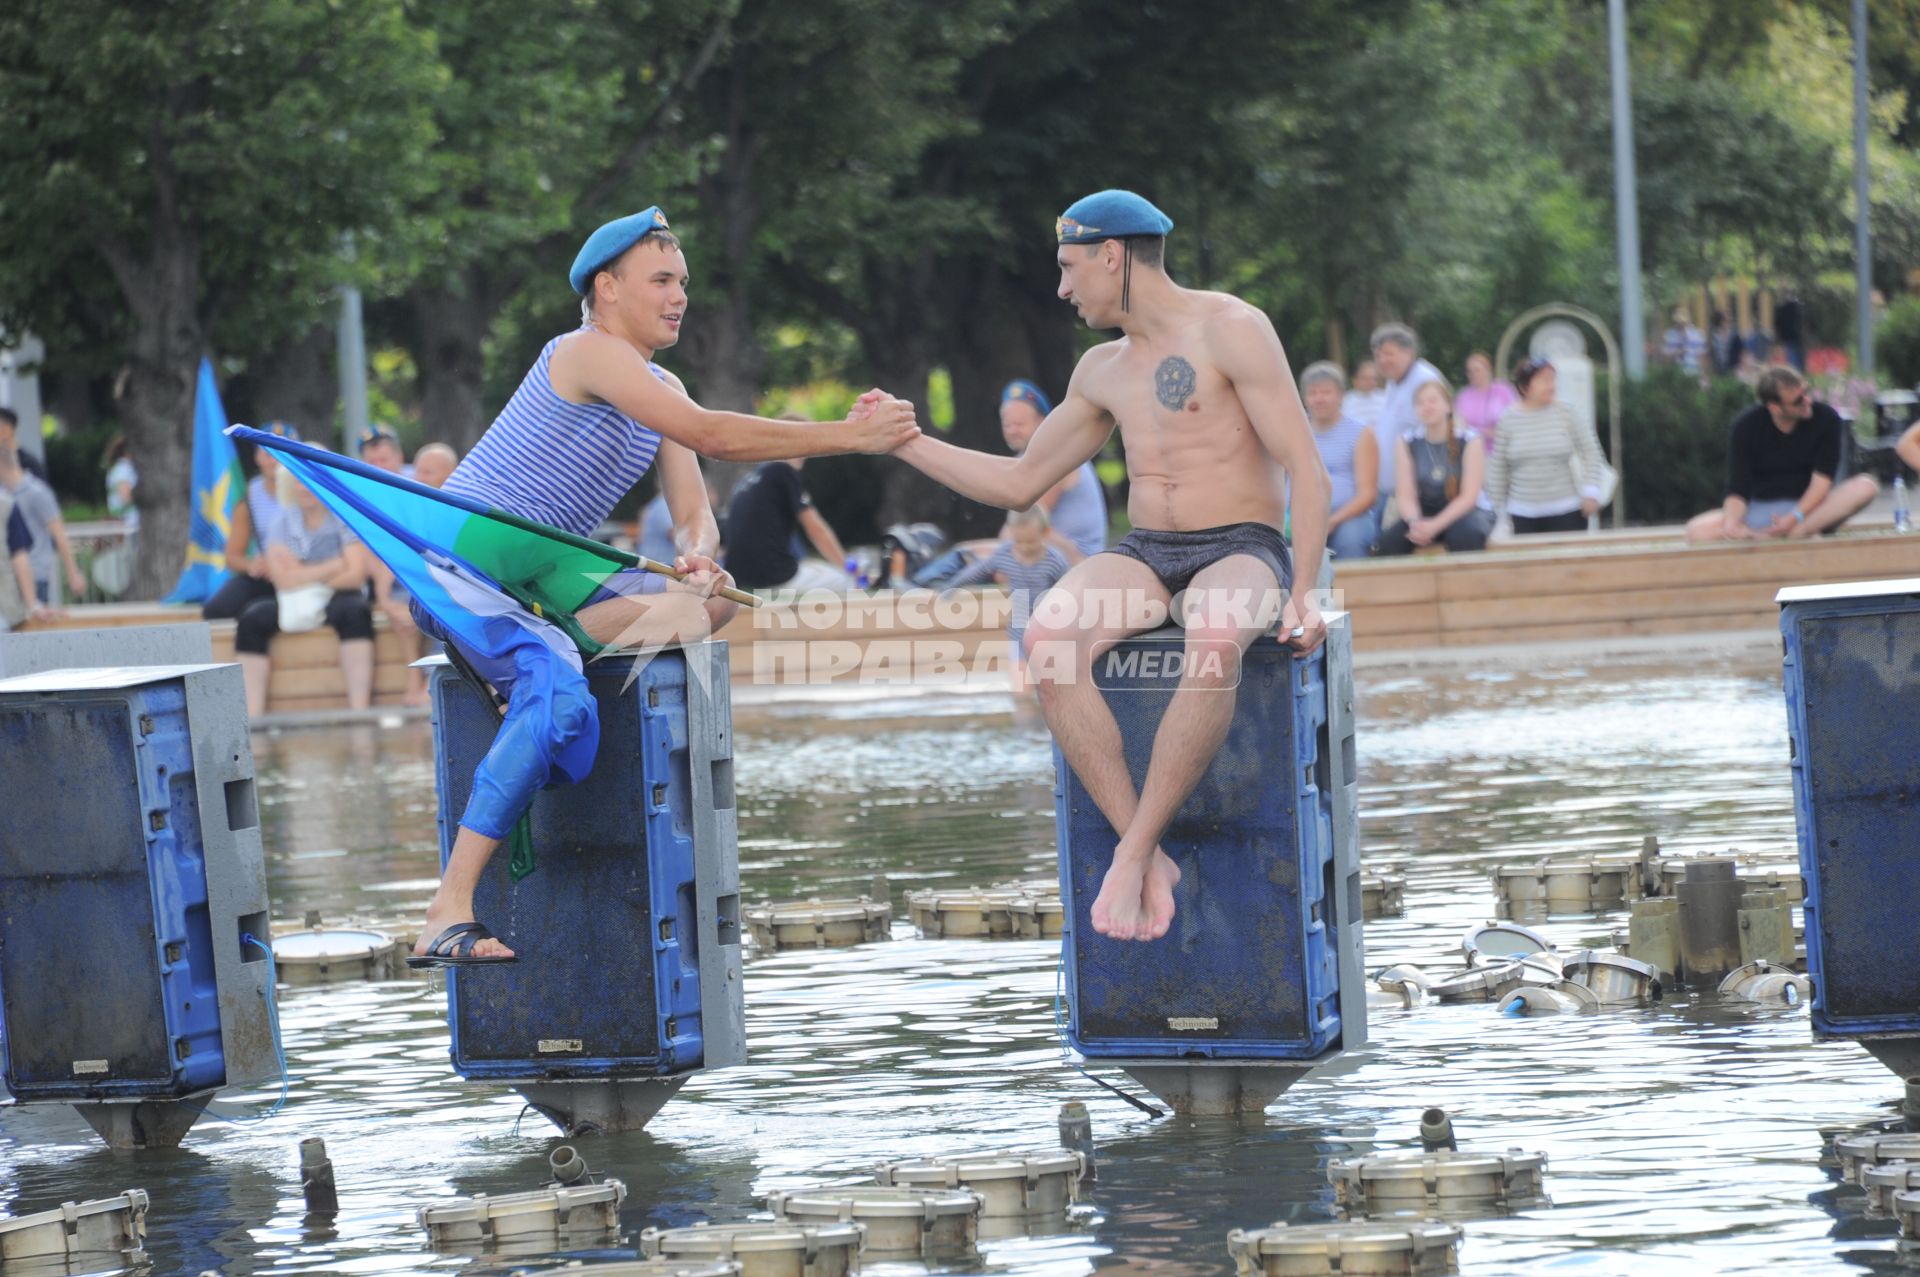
[(255, 671), (1841, 503), (653, 620), (411, 641), (453, 902), (1710, 526), (1105, 598), (1227, 607), (356, 662)]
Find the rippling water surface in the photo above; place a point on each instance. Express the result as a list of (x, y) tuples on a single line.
[(1681, 1138)]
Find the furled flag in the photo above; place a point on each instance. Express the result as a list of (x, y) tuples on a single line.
[(505, 588), (218, 486)]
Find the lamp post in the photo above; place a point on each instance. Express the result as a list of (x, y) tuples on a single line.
[(1862, 201), (1626, 203)]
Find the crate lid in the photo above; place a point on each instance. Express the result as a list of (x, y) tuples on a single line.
[(60, 1223), (1848, 590), (1435, 1166), (960, 1168), (1900, 1176), (105, 678), (743, 1239), (785, 913), (557, 1201), (871, 1201), (1372, 1237), (1891, 1146), (302, 948)]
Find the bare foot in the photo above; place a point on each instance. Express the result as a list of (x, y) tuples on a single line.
[(435, 926), (1118, 911), (1156, 896)]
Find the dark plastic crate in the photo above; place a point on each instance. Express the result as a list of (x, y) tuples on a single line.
[(1852, 675), (606, 927), (1250, 968), (107, 983)]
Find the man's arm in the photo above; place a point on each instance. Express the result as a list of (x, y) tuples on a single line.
[(22, 567), (820, 532), (1070, 436), (76, 579), (1249, 353), (1908, 449), (592, 365), (696, 533)]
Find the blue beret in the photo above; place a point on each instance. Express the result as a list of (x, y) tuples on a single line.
[(611, 240), (1026, 392), (1110, 215)]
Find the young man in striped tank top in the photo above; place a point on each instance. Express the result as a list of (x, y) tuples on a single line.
[(1213, 428), (567, 447)]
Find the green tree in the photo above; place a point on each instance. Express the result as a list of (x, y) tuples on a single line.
[(180, 176)]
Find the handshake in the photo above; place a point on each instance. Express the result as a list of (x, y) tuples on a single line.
[(879, 423)]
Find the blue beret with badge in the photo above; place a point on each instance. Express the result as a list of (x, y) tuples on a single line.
[(1110, 215), (611, 240)]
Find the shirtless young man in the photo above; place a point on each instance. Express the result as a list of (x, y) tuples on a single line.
[(1210, 419)]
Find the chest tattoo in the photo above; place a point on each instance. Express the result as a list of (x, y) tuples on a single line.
[(1173, 383)]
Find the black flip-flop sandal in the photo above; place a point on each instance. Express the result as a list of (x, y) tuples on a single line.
[(454, 948)]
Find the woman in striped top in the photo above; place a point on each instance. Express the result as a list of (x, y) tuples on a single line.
[(1532, 476)]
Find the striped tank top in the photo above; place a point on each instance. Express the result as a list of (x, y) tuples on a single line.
[(562, 463)]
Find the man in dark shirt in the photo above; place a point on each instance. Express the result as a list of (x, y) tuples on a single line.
[(1782, 455), (768, 508)]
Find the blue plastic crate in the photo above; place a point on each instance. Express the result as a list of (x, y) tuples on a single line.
[(107, 983), (1250, 968), (1852, 677), (608, 982)]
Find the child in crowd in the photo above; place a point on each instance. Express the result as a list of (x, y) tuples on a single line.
[(1028, 567)]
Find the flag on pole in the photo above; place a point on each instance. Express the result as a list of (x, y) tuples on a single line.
[(218, 486)]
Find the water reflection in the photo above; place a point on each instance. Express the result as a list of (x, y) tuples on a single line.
[(1684, 1133)]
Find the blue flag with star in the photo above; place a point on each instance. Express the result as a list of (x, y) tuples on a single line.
[(218, 486)]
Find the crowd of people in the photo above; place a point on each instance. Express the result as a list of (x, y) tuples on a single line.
[(294, 566), (1415, 464)]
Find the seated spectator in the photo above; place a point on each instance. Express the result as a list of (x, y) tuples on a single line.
[(1352, 458), (1531, 476), (41, 510), (433, 463), (1028, 566), (247, 536), (1362, 403), (656, 531), (1684, 344), (1076, 507), (1908, 449), (380, 447), (1396, 350), (1441, 473), (1782, 456), (768, 511), (1480, 405), (308, 547)]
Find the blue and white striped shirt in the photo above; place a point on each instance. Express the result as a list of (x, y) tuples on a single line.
[(561, 463)]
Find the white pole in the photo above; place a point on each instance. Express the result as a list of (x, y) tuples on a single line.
[(1626, 202), (353, 371), (1862, 200)]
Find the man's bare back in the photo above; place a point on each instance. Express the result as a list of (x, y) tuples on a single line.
[(1193, 458)]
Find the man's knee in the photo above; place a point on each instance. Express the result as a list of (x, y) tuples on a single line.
[(1211, 657)]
